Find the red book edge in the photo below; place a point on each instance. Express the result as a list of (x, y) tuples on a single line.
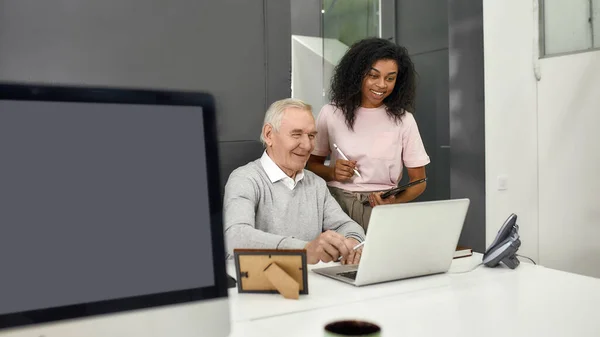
[(462, 252)]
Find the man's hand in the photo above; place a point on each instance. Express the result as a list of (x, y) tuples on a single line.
[(353, 255), (375, 199), (343, 170), (327, 247)]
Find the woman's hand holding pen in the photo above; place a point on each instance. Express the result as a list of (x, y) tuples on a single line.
[(343, 170)]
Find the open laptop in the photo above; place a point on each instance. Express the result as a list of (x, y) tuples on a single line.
[(406, 240)]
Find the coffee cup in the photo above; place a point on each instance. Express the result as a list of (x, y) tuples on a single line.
[(352, 328)]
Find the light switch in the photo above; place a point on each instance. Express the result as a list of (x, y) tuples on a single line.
[(502, 182)]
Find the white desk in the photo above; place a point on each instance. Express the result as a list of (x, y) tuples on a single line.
[(325, 292), (528, 301)]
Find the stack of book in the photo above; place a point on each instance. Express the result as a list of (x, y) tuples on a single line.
[(462, 252)]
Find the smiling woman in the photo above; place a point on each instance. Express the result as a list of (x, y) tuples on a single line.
[(369, 119)]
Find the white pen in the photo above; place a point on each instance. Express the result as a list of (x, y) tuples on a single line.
[(355, 248), (344, 157)]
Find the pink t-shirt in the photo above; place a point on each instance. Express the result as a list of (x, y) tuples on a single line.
[(379, 145)]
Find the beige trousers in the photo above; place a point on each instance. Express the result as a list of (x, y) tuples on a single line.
[(352, 204)]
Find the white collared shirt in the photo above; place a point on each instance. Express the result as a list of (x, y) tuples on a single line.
[(276, 174)]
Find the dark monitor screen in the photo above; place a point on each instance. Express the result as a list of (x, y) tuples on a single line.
[(110, 201)]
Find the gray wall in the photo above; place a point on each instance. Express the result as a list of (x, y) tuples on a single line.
[(445, 40), (467, 118), (306, 17), (422, 27), (237, 50)]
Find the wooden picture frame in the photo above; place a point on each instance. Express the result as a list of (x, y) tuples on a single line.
[(271, 271)]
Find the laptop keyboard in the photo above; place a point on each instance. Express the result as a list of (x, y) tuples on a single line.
[(349, 274)]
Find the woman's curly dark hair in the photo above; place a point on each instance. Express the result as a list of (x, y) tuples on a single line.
[(346, 83)]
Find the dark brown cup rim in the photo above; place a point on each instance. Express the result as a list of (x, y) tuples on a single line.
[(352, 328)]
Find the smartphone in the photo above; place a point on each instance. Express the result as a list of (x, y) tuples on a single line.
[(397, 190)]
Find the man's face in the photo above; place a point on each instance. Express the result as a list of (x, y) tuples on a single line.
[(291, 146)]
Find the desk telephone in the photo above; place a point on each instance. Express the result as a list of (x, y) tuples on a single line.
[(504, 247)]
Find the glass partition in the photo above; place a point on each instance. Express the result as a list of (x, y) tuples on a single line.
[(343, 23)]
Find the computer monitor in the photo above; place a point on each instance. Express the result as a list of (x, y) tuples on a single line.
[(110, 221)]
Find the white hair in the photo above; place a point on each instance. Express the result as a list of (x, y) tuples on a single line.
[(276, 111)]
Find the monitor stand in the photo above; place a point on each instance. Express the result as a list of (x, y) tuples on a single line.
[(231, 283)]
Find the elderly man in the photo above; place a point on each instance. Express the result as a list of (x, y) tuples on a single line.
[(273, 203)]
